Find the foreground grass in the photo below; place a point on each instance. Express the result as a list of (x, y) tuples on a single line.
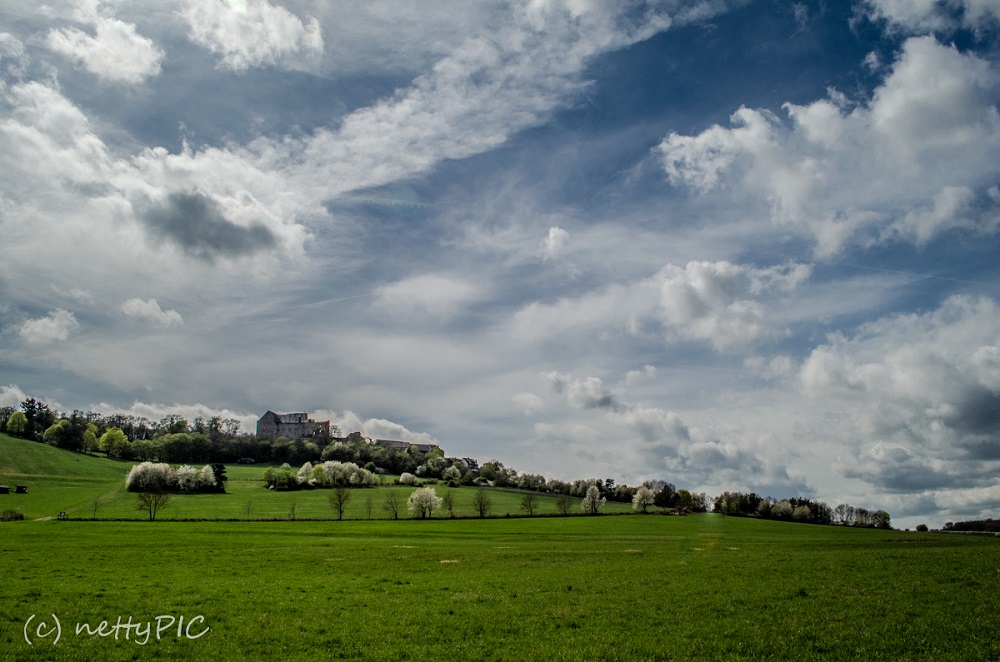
[(605, 588)]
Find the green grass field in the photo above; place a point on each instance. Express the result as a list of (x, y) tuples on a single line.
[(579, 588)]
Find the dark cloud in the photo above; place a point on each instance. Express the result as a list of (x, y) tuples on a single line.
[(195, 223)]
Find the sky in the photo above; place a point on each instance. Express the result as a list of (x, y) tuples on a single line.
[(732, 244)]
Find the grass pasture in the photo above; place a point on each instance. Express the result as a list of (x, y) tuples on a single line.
[(649, 587)]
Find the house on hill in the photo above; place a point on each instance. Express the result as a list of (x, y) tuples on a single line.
[(392, 444), (297, 425)]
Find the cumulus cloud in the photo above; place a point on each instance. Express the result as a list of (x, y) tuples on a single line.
[(914, 161), (11, 396), (253, 33), (149, 311), (57, 326), (721, 302), (924, 386), (114, 52)]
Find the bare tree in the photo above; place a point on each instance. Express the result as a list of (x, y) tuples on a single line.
[(482, 503), (369, 504), (291, 510), (152, 502), (528, 504), (96, 503), (392, 503), (247, 507), (339, 499), (564, 503), (448, 501)]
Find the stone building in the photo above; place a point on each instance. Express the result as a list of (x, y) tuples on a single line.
[(297, 425)]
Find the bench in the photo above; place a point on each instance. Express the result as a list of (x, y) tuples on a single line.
[(21, 489)]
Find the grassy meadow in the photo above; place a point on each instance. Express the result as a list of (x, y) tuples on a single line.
[(578, 588)]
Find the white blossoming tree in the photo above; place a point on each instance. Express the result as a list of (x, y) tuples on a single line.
[(643, 498), (424, 502), (593, 501)]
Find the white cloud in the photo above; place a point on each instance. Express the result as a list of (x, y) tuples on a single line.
[(915, 161), (924, 387), (253, 33), (931, 15), (115, 52), (149, 311), (555, 242), (528, 403), (57, 326), (428, 297), (721, 303), (11, 396)]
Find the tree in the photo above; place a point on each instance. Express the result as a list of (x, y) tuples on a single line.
[(802, 513), (17, 424), (113, 442), (424, 502), (90, 443), (448, 501), (482, 503), (644, 498), (369, 505), (391, 504), (528, 504), (593, 501), (564, 503), (338, 501), (922, 528), (152, 501)]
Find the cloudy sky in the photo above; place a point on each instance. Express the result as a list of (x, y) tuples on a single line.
[(733, 244)]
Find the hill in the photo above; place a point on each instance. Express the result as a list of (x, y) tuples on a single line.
[(64, 481)]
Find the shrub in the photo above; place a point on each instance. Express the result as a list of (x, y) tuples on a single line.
[(11, 515), (150, 476), (409, 479)]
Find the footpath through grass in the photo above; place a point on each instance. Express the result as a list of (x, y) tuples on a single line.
[(591, 588)]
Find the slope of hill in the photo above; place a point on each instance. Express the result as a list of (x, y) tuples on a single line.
[(57, 480), (63, 481)]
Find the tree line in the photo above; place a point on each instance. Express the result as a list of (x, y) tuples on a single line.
[(799, 509)]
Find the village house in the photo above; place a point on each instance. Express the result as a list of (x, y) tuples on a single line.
[(297, 425)]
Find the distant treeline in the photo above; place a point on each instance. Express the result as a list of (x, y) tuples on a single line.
[(990, 525), (743, 504)]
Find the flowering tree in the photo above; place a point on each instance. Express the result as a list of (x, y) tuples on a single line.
[(593, 501), (643, 498), (423, 502)]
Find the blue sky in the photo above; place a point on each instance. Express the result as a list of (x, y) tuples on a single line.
[(734, 245)]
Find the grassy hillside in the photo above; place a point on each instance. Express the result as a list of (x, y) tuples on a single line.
[(63, 481), (609, 588), (57, 480)]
